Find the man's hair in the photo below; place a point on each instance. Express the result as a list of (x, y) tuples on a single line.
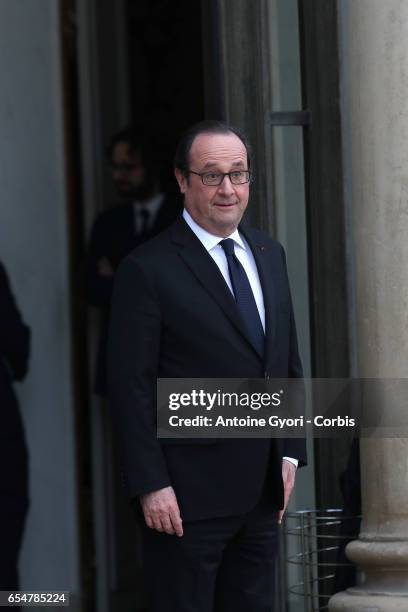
[(138, 141), (208, 126)]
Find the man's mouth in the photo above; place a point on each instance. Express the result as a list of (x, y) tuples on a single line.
[(225, 204)]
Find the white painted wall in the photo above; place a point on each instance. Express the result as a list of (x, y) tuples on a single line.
[(34, 247)]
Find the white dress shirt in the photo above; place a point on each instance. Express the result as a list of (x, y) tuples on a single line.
[(243, 252)]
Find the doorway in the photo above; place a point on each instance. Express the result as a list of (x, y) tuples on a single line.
[(139, 62)]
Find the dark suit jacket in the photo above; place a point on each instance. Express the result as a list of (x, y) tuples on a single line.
[(113, 237), (14, 352), (174, 316)]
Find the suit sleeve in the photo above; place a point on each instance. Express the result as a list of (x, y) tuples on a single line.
[(14, 334), (294, 447), (133, 356)]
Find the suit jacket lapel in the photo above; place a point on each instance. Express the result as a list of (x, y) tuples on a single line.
[(260, 252), (207, 273)]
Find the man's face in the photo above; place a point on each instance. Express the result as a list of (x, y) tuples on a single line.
[(128, 173), (218, 209)]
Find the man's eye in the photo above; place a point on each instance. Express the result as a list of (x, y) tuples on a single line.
[(238, 174), (212, 176)]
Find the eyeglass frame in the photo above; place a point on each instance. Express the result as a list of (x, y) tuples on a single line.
[(223, 174), (124, 168)]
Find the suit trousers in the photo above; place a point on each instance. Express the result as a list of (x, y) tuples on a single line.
[(223, 564)]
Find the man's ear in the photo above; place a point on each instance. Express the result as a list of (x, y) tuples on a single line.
[(181, 179)]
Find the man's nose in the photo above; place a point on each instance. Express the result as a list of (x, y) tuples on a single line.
[(119, 173), (226, 186)]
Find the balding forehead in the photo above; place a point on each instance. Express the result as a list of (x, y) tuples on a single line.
[(209, 146)]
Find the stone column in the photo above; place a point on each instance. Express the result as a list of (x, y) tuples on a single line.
[(244, 73), (375, 36)]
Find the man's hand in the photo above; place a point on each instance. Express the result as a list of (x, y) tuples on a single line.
[(161, 511), (288, 477), (105, 267)]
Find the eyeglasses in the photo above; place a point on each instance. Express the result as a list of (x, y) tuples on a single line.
[(123, 168), (237, 177)]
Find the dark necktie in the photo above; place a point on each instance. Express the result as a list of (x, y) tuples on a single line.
[(143, 222), (244, 297)]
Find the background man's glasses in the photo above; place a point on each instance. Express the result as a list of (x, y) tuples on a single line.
[(237, 177), (123, 168)]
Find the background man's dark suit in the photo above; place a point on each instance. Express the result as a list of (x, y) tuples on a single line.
[(14, 352), (113, 236), (171, 301)]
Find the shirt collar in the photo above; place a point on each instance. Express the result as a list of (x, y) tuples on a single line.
[(209, 241), (152, 204)]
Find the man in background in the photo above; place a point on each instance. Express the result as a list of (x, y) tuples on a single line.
[(142, 211), (14, 354)]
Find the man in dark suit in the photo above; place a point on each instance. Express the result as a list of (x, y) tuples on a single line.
[(142, 212), (204, 299), (14, 353)]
